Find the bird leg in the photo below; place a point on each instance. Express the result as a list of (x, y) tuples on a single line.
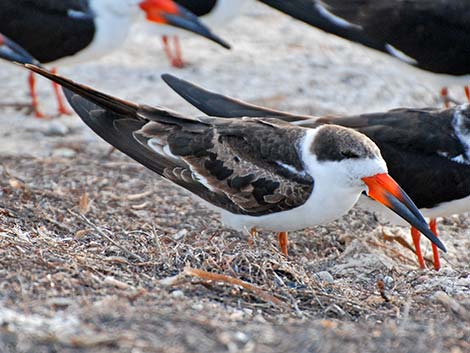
[(445, 96), (178, 51), (253, 234), (61, 107), (435, 251), (283, 242), (467, 92), (176, 59), (34, 97), (416, 235)]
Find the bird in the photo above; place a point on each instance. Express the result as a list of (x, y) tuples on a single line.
[(258, 173), (60, 32), (426, 150), (214, 13), (11, 51), (430, 35)]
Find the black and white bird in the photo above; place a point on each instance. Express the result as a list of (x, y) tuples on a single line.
[(431, 35), (427, 151), (59, 32), (214, 13), (257, 172)]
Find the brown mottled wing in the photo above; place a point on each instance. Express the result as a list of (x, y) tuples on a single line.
[(412, 141), (246, 166)]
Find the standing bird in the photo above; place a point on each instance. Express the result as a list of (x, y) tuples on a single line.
[(431, 35), (214, 13), (58, 32), (426, 150), (257, 172)]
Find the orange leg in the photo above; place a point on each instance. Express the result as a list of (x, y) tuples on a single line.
[(178, 52), (283, 242), (253, 234), (61, 107), (435, 251), (416, 235), (445, 96), (175, 59), (34, 97), (467, 92)]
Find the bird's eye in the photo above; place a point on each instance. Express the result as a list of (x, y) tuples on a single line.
[(349, 154)]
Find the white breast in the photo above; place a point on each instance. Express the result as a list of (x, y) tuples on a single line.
[(112, 25)]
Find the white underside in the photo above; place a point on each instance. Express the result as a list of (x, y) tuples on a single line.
[(423, 77), (322, 207), (445, 209), (112, 29)]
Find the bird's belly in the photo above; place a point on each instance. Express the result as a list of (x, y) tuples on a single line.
[(317, 210), (110, 34), (449, 208)]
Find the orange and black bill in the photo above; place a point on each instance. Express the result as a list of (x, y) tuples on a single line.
[(170, 13), (11, 51), (385, 190)]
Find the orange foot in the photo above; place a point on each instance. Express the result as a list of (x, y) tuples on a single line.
[(283, 242)]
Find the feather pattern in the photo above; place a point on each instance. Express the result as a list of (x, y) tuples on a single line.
[(425, 149), (245, 166)]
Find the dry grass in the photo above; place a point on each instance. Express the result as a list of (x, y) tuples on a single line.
[(99, 255)]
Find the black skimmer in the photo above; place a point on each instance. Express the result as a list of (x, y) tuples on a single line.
[(259, 173), (430, 35), (427, 150), (214, 13), (58, 32)]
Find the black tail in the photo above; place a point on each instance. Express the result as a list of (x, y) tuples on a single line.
[(214, 104), (116, 120)]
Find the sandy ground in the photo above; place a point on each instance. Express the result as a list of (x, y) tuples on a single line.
[(97, 254)]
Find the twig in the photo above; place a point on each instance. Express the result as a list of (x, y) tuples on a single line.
[(215, 277), (381, 288), (104, 235), (403, 243)]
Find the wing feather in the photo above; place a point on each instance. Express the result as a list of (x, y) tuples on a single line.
[(245, 166)]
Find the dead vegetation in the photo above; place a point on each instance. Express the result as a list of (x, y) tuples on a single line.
[(97, 254)]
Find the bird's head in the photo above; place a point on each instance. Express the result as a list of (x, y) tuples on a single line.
[(346, 159), (168, 12)]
